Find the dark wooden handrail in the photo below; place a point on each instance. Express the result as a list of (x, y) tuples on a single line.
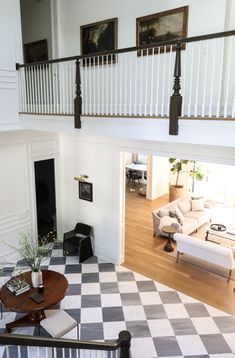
[(134, 48), (123, 342)]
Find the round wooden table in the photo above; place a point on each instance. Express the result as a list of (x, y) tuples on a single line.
[(55, 288), (170, 230)]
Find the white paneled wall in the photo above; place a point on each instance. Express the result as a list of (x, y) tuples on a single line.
[(97, 160), (18, 151)]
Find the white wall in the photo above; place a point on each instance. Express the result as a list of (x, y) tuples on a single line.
[(97, 160), (158, 177), (75, 13), (10, 44), (36, 21)]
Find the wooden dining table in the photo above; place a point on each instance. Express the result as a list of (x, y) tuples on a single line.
[(55, 288)]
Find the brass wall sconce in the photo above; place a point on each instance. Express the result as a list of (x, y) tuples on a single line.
[(82, 177)]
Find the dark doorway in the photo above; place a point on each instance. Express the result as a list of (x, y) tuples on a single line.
[(45, 198)]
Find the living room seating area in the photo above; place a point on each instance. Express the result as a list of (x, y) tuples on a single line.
[(185, 213)]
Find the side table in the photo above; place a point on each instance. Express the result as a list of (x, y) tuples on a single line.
[(170, 230)]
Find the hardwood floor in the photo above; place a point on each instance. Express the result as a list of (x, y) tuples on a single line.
[(141, 256)]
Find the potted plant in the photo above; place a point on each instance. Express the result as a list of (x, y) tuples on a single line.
[(196, 174), (176, 190), (34, 254)]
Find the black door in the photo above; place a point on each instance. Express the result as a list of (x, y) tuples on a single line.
[(45, 198)]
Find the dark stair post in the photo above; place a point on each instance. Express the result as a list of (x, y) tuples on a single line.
[(176, 98), (78, 98), (125, 338)]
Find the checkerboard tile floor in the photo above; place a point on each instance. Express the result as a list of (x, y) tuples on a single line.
[(106, 299)]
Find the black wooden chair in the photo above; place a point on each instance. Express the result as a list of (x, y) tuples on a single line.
[(78, 241)]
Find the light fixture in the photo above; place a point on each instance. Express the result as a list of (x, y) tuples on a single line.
[(82, 177)]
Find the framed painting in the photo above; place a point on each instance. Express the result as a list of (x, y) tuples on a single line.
[(85, 191), (163, 26), (99, 37), (36, 51)]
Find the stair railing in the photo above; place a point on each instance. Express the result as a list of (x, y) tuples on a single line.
[(17, 346)]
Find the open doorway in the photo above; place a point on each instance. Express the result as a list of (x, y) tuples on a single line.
[(45, 198)]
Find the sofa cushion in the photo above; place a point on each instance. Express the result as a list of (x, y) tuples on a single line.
[(166, 221), (189, 225), (163, 212), (201, 217), (184, 205), (176, 213), (197, 205)]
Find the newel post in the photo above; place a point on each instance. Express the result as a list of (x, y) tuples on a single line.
[(176, 98), (125, 338), (78, 98)]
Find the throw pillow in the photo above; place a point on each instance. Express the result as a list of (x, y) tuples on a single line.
[(166, 221), (163, 212), (197, 205), (184, 206), (176, 213)]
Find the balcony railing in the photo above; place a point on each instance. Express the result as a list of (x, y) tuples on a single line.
[(137, 81)]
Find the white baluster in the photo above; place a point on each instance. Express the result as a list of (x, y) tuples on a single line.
[(191, 78), (205, 81), (227, 82), (152, 80), (135, 82), (212, 79), (158, 82), (146, 82), (141, 82), (169, 80), (163, 81), (220, 79)]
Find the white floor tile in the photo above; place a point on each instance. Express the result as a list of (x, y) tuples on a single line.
[(112, 329), (126, 287), (214, 312), (73, 278), (71, 302), (90, 288), (88, 268), (57, 268), (57, 253), (160, 328), (108, 277), (191, 345), (187, 299), (72, 260), (90, 315), (161, 287), (140, 277), (143, 348), (205, 325), (111, 300), (150, 298), (176, 310), (134, 313), (230, 339)]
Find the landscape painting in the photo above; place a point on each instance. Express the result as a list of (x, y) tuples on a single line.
[(99, 37), (163, 26)]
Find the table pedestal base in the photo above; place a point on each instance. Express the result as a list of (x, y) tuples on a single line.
[(31, 319), (168, 247)]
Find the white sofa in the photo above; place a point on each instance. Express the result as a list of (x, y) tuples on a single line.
[(205, 250), (192, 220)]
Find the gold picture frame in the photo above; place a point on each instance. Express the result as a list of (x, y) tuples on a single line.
[(99, 37), (162, 26)]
